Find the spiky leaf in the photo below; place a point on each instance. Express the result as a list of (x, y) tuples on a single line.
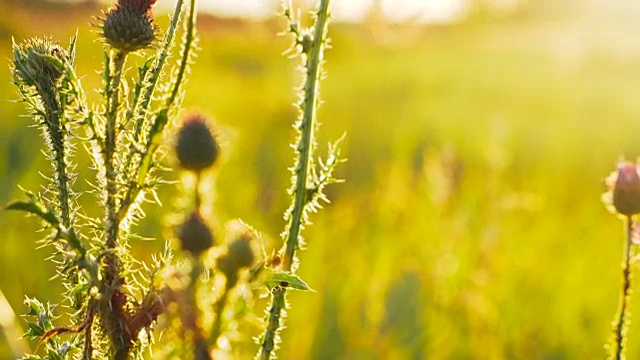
[(286, 280), (36, 208)]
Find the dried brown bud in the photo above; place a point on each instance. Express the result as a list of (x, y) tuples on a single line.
[(626, 190), (128, 26), (196, 148), (194, 234)]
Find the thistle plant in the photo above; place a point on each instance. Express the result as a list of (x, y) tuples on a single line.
[(114, 300), (110, 306), (309, 177), (624, 199)]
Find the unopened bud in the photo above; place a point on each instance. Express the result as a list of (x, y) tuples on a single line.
[(196, 148), (39, 62), (194, 234), (626, 190), (128, 26), (239, 255), (240, 251)]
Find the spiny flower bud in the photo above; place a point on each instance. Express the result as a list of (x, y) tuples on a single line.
[(194, 234), (39, 62), (626, 189), (240, 251), (128, 26), (196, 148)]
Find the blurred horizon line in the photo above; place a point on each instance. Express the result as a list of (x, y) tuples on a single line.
[(349, 11)]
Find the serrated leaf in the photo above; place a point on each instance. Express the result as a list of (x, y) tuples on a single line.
[(34, 208), (34, 330), (72, 48), (287, 280)]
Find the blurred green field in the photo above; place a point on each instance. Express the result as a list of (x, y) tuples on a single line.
[(470, 225)]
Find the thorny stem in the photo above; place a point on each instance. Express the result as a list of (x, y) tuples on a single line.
[(57, 136), (301, 170), (113, 103), (54, 122), (113, 298), (275, 312), (621, 325), (141, 103), (56, 132), (160, 121), (81, 100), (305, 144), (189, 38)]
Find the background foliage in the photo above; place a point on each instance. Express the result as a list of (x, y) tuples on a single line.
[(470, 225)]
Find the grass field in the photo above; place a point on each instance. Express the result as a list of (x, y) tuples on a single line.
[(470, 225)]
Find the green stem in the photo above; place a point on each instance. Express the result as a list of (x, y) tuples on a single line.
[(200, 346), (301, 172), (188, 42), (160, 121), (273, 325), (113, 103), (56, 130), (111, 307), (306, 141), (75, 87), (621, 325), (218, 308), (141, 102), (57, 136), (197, 196)]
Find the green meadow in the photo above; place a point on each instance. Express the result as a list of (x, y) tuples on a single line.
[(470, 224)]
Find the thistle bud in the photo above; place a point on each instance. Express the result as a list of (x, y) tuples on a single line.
[(129, 26), (239, 255), (626, 189), (39, 62), (240, 251), (195, 236), (196, 148)]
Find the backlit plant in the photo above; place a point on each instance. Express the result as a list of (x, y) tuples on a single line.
[(115, 302), (624, 199)]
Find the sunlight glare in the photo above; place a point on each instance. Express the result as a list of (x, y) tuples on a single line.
[(425, 11)]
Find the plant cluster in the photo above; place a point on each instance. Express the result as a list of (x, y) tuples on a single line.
[(195, 295)]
